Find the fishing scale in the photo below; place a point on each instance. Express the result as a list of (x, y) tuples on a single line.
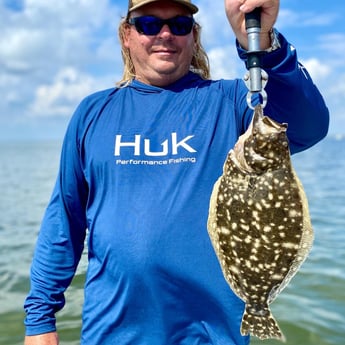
[(256, 78)]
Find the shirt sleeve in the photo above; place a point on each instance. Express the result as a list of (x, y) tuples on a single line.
[(61, 239), (292, 97)]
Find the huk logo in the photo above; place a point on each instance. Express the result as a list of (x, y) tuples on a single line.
[(143, 146)]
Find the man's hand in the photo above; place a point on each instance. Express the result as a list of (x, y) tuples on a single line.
[(42, 339), (235, 11)]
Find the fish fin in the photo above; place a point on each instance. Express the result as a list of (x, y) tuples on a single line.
[(261, 325)]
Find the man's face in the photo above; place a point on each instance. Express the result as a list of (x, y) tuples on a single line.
[(163, 58)]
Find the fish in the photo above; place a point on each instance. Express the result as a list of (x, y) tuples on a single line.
[(259, 222)]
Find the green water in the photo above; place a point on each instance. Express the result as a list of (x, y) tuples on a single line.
[(310, 311)]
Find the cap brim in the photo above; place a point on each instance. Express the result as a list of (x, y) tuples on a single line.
[(193, 9)]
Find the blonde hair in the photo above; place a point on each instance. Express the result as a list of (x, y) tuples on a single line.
[(199, 64)]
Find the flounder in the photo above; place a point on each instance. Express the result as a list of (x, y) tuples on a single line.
[(259, 222)]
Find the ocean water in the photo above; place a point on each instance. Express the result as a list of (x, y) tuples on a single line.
[(310, 311)]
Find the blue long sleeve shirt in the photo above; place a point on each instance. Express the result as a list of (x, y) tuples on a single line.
[(138, 165)]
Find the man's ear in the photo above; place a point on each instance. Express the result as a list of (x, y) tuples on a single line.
[(126, 31)]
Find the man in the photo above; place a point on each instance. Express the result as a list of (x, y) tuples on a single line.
[(138, 166)]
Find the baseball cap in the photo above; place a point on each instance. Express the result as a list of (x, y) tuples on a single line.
[(134, 4)]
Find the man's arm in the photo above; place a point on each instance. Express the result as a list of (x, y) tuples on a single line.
[(60, 241), (292, 96), (42, 339)]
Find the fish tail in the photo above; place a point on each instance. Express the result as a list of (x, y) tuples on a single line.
[(261, 324)]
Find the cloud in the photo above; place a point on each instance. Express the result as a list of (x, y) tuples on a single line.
[(333, 43), (219, 41), (225, 63), (216, 29), (59, 98), (328, 72), (48, 50), (291, 19), (318, 70), (52, 54)]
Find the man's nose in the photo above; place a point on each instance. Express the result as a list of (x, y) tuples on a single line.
[(165, 31)]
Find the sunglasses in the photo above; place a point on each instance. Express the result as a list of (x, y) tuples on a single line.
[(150, 25)]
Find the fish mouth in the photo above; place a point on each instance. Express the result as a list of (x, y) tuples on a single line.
[(265, 124), (274, 124)]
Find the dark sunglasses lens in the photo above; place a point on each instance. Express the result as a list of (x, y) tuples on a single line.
[(149, 25), (181, 26)]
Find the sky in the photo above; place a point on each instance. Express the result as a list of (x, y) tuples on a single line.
[(54, 53)]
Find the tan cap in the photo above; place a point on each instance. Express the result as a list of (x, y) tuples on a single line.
[(134, 4)]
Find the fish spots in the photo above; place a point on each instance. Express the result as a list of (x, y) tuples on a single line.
[(282, 234), (267, 228), (249, 263), (290, 245), (256, 215), (294, 213), (258, 206), (277, 277), (259, 223), (245, 227), (225, 231), (248, 239)]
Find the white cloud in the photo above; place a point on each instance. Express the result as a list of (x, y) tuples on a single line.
[(39, 41), (60, 98), (216, 30), (290, 18), (334, 45), (225, 63), (318, 70), (219, 40), (54, 54)]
